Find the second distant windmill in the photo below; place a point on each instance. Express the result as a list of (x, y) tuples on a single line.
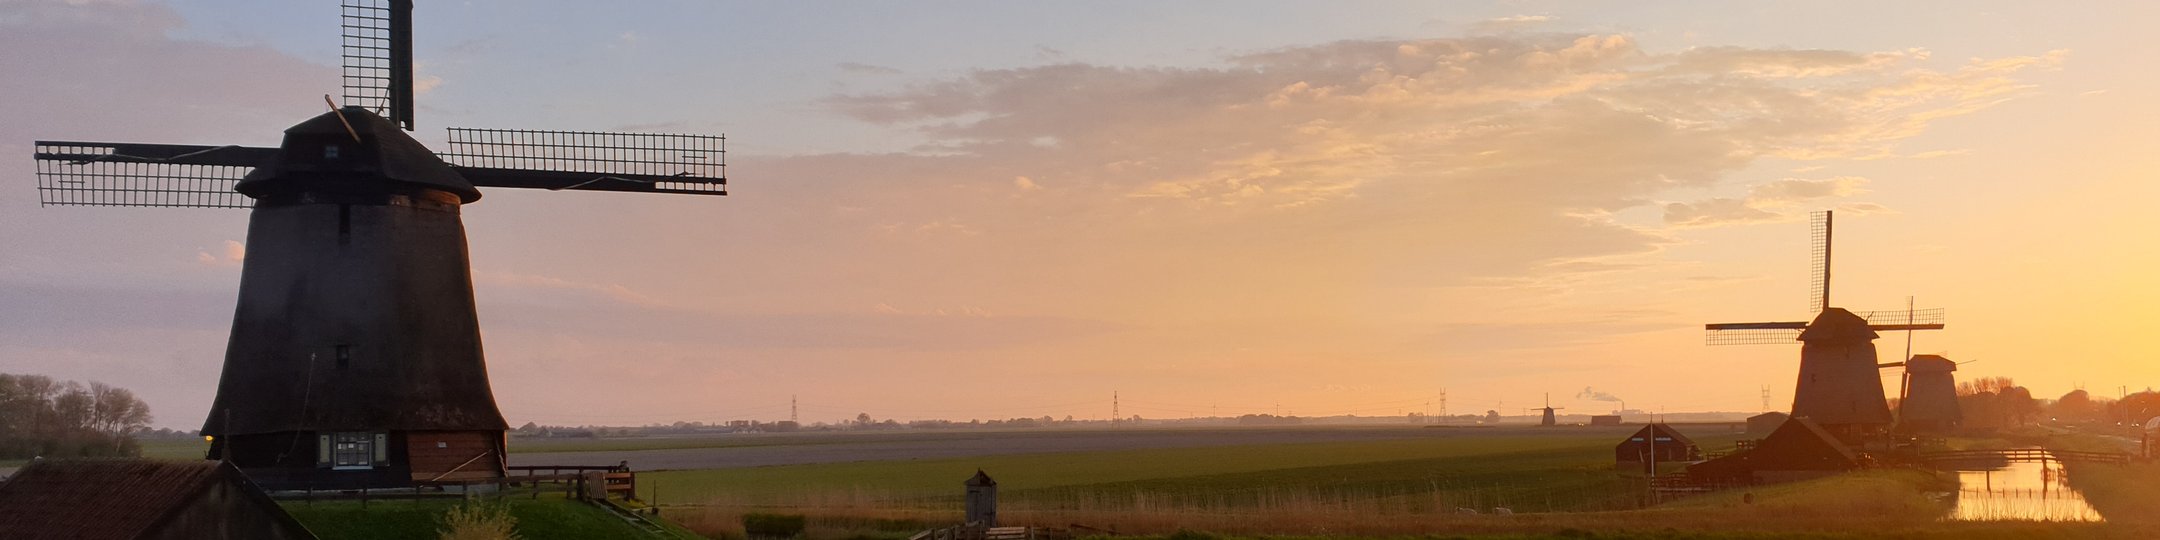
[(1549, 419)]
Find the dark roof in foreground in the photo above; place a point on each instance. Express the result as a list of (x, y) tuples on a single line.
[(104, 498)]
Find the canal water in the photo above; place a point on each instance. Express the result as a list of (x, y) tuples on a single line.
[(2018, 490)]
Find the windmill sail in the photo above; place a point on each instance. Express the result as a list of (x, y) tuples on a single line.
[(590, 160), (1819, 272), (1773, 333), (377, 63), (136, 174)]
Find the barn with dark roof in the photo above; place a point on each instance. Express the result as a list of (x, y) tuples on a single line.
[(1800, 449), (115, 499), (1654, 443)]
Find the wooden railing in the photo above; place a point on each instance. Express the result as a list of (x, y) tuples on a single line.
[(2024, 454), (976, 531), (614, 479)]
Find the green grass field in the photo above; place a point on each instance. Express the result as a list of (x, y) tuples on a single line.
[(166, 449), (174, 449), (1530, 473), (522, 445)]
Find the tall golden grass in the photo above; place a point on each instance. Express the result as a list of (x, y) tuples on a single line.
[(1879, 501)]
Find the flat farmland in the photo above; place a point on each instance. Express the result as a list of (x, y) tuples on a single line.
[(765, 450), (1527, 468)]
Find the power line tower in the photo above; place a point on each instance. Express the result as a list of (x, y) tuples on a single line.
[(1115, 416), (1766, 398), (792, 411), (1443, 403)]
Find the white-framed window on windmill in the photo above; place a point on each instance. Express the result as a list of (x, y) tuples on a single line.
[(353, 450)]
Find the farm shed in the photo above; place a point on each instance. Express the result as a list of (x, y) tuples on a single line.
[(1605, 420), (1799, 449), (139, 499), (1761, 425), (1655, 442)]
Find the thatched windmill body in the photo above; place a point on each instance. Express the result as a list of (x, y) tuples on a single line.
[(355, 357), (1840, 385), (1929, 402)]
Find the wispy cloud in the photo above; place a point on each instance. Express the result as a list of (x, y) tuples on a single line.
[(860, 68), (1512, 23), (1768, 201)]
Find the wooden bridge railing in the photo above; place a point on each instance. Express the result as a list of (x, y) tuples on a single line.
[(614, 479), (2025, 454)]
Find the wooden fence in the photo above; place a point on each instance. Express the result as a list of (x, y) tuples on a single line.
[(2024, 454), (611, 479), (979, 532)]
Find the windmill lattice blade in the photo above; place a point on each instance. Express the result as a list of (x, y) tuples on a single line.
[(1819, 269), (376, 53), (1931, 316), (158, 175), (1752, 336), (590, 161)]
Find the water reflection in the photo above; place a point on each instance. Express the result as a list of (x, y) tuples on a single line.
[(2022, 490)]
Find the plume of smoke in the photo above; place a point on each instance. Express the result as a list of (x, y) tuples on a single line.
[(1594, 395)]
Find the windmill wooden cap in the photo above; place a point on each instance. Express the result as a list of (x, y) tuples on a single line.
[(1835, 325), (321, 153), (980, 479), (1929, 363)]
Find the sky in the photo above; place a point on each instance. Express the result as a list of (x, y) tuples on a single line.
[(994, 209)]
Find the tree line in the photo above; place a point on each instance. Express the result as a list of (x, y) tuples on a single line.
[(43, 417)]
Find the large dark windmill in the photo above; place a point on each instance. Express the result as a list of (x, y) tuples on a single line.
[(355, 352), (1839, 386)]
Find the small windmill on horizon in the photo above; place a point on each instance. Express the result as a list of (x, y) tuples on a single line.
[(1548, 419), (354, 359), (1839, 386)]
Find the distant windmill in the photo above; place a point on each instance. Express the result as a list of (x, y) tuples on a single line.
[(1549, 419), (1928, 402), (1839, 386), (355, 354)]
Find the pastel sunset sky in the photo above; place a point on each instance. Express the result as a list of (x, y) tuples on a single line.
[(965, 209)]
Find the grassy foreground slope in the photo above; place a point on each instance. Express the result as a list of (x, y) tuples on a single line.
[(1872, 504), (551, 516)]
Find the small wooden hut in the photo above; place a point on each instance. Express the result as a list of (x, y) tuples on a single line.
[(127, 499), (1654, 443)]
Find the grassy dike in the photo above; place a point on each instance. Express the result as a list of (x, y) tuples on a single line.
[(2124, 494)]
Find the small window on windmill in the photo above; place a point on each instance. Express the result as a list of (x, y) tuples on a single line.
[(352, 450), (330, 151), (344, 356)]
